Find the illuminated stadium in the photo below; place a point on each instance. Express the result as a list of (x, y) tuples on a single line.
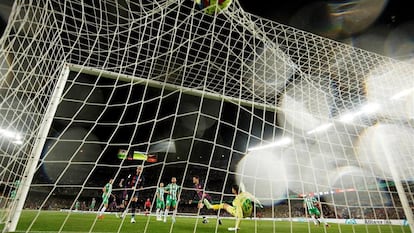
[(312, 131)]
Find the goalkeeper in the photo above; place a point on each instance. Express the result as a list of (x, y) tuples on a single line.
[(241, 207)]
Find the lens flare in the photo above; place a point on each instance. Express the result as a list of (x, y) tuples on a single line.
[(385, 145), (263, 175)]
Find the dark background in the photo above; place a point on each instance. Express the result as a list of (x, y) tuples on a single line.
[(375, 32), (395, 12), (381, 26)]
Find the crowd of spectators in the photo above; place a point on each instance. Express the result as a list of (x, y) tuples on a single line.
[(293, 208)]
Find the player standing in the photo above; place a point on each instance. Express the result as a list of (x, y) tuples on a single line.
[(242, 206), (77, 205), (311, 206), (173, 194), (160, 201), (134, 182), (92, 205), (106, 193)]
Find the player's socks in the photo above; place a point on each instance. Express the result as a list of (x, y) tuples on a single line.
[(173, 215), (217, 206), (315, 221), (124, 213), (214, 207), (157, 214), (102, 211), (207, 204), (133, 208), (165, 215), (322, 219), (120, 213)]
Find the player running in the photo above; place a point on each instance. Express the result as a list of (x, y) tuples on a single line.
[(106, 193), (173, 191), (312, 207), (241, 207)]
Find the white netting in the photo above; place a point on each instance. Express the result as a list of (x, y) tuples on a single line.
[(227, 96)]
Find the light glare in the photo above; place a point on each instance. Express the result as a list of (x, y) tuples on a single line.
[(10, 134), (365, 110), (282, 142), (402, 94), (320, 128)]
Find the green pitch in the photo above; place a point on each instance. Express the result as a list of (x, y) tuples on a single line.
[(48, 221)]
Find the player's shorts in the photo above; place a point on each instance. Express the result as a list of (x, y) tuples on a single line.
[(171, 202), (131, 195), (160, 204), (314, 211)]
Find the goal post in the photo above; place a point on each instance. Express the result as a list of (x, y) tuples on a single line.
[(33, 161), (164, 85)]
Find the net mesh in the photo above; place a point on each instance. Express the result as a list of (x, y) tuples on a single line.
[(182, 92)]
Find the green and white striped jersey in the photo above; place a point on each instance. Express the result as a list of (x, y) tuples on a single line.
[(173, 190)]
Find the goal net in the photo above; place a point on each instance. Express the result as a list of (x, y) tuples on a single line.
[(93, 91)]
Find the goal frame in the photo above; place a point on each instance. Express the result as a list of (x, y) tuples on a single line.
[(27, 177)]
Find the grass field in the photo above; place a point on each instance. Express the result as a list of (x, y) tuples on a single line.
[(49, 221)]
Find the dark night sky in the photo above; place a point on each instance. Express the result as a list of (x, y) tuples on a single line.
[(394, 14), (386, 32)]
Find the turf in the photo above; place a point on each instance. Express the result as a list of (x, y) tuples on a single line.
[(49, 221)]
